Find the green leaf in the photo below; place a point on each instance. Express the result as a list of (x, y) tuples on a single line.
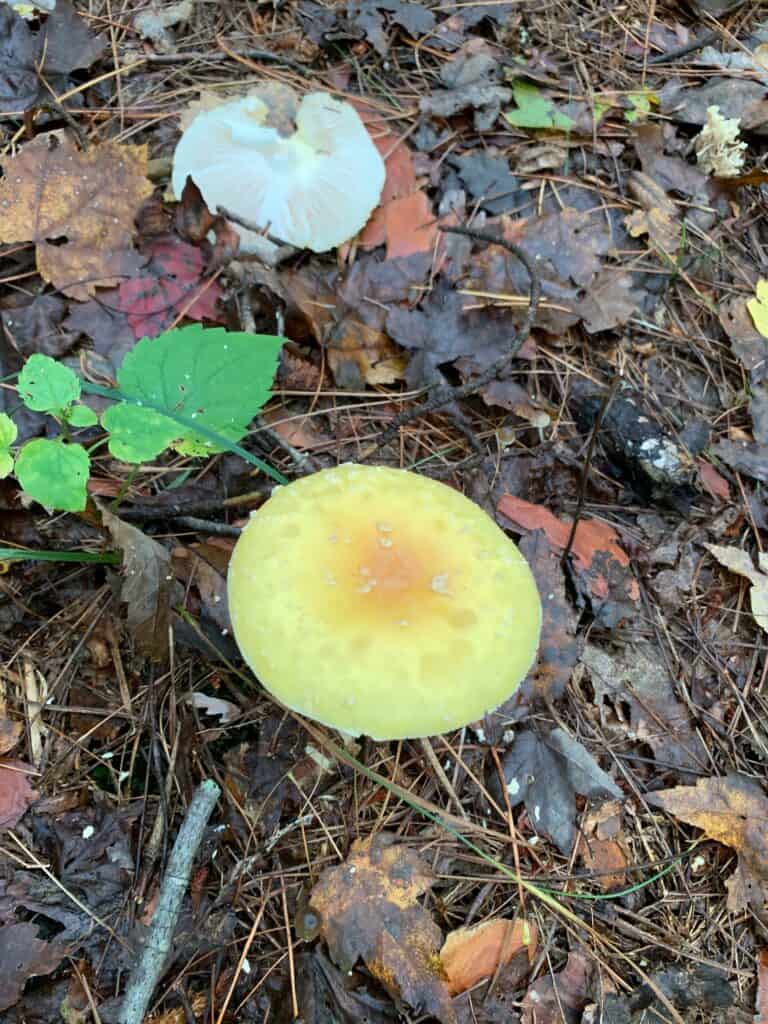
[(534, 109), (641, 105), (81, 416), (8, 433), (54, 473), (217, 377), (138, 434), (47, 386)]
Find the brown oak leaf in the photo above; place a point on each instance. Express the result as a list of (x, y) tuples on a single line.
[(732, 810), (369, 909), (78, 207)]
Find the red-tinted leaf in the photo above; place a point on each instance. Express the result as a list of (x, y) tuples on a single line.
[(16, 792), (23, 955), (711, 480), (174, 285)]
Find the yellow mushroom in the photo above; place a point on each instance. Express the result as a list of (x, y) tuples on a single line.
[(382, 602)]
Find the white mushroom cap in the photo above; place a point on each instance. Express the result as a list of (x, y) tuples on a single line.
[(315, 188)]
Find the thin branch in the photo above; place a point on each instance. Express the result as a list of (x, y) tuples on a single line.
[(149, 969)]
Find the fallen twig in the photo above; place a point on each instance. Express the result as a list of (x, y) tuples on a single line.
[(148, 970)]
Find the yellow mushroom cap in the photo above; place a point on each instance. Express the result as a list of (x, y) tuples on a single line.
[(382, 602)]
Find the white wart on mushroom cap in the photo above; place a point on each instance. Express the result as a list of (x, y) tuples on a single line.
[(381, 602), (312, 179)]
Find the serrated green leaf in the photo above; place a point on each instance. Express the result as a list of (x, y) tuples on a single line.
[(218, 377), (54, 473), (534, 109), (81, 416), (47, 386), (138, 434)]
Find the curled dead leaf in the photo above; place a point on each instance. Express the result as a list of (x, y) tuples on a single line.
[(471, 954)]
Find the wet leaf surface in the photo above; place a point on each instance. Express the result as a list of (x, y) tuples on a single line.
[(559, 998), (78, 208), (733, 811), (34, 64), (470, 955), (370, 910), (545, 772)]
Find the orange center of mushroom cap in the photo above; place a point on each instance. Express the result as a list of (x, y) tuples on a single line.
[(379, 601)]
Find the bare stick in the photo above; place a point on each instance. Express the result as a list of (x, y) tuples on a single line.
[(148, 970)]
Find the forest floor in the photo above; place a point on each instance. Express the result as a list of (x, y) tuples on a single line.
[(607, 827)]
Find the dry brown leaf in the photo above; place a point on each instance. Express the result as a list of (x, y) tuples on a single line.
[(16, 792), (147, 585), (471, 954), (205, 566), (739, 561), (635, 693), (10, 734), (400, 180), (559, 647), (734, 811), (606, 859), (712, 481), (78, 207), (559, 997), (23, 955), (369, 909), (359, 353), (658, 216)]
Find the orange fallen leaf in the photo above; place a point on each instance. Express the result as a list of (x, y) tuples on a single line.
[(78, 207), (400, 180), (606, 859), (761, 1001), (410, 226), (595, 544), (471, 954)]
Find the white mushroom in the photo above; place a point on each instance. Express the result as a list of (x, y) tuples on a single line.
[(308, 174)]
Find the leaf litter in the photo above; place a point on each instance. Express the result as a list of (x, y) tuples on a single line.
[(566, 139)]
